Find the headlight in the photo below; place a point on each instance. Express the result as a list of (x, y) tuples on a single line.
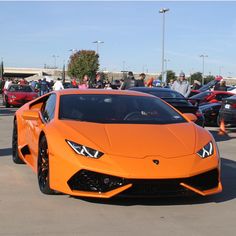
[(12, 96), (206, 151), (85, 151)]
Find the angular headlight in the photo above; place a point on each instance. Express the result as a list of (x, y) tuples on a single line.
[(85, 151), (206, 151), (13, 96)]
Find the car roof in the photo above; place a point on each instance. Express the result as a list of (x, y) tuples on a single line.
[(101, 91), (23, 85), (152, 89)]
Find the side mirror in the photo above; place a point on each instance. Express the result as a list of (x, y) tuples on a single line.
[(190, 116), (30, 115)]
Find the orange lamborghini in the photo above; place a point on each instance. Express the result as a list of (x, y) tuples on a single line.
[(105, 143)]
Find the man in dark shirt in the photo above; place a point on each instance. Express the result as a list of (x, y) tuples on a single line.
[(140, 81)]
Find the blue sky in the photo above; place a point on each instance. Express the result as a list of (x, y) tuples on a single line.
[(31, 32)]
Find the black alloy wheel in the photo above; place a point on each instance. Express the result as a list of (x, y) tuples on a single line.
[(7, 105), (15, 154), (43, 167)]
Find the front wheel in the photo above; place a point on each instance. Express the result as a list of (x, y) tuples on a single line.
[(15, 154), (43, 167), (7, 105)]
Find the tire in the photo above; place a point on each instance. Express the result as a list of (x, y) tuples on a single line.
[(218, 121), (43, 167), (7, 105), (15, 154)]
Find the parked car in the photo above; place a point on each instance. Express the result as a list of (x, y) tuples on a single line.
[(231, 89), (67, 85), (210, 112), (207, 86), (17, 95), (228, 111), (108, 143), (210, 97), (174, 98)]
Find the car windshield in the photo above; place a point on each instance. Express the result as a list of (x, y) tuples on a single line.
[(20, 88), (209, 85), (108, 108), (165, 94), (171, 97), (201, 96)]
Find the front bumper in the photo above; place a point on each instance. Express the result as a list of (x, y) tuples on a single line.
[(18, 102), (104, 186), (115, 176)]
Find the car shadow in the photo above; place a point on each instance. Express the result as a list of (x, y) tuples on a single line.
[(228, 193), (224, 137), (5, 151), (7, 111)]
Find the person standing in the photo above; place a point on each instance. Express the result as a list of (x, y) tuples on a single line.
[(7, 84), (58, 85), (84, 84), (98, 81), (196, 85), (43, 87), (129, 82), (74, 83), (140, 81), (181, 85), (222, 86)]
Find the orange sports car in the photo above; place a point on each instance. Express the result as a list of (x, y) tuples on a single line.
[(105, 143)]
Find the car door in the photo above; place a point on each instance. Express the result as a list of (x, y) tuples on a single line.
[(47, 113)]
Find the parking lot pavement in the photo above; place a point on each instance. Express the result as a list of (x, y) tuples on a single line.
[(25, 211)]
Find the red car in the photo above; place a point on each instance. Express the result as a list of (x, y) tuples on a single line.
[(207, 86), (17, 95), (211, 96)]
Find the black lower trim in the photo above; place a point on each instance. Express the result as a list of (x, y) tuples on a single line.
[(85, 180)]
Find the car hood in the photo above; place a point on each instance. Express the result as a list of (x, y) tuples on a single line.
[(133, 140)]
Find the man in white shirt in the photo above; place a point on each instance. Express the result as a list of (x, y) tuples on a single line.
[(58, 85), (7, 84)]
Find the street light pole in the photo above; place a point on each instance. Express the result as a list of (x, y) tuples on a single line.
[(163, 11), (203, 65), (221, 67), (55, 60), (98, 42), (166, 61)]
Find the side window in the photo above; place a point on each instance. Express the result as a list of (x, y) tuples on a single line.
[(221, 96), (48, 109)]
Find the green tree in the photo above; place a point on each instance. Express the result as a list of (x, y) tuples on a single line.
[(170, 75), (196, 76), (83, 62), (209, 78)]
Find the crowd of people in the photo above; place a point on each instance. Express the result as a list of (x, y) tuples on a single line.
[(181, 84)]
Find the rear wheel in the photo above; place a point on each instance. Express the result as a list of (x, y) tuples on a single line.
[(15, 154), (43, 167)]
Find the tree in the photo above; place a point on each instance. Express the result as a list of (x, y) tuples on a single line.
[(196, 76), (209, 78), (83, 62), (170, 76)]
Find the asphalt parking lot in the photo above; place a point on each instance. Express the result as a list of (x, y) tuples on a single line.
[(25, 211)]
